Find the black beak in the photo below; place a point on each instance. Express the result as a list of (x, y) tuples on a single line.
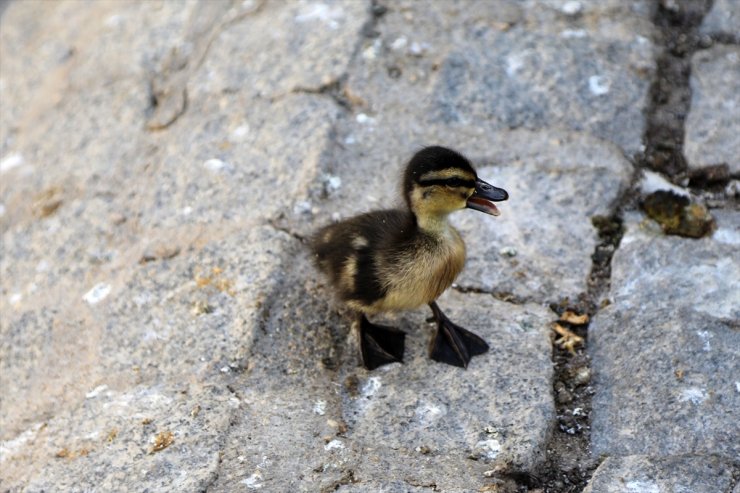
[(484, 197)]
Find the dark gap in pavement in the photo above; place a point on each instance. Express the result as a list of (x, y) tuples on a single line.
[(677, 23)]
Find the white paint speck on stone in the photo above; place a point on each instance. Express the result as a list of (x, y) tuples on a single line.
[(514, 62), (373, 50), (641, 487), (705, 336), (11, 161), (15, 298), (694, 395), (302, 207), (217, 165), (507, 251), (2, 210), (329, 15), (334, 445), (399, 43), (488, 449), (253, 482), (428, 413), (573, 33), (737, 386), (419, 49), (239, 133), (653, 182), (730, 236), (599, 85), (332, 183), (362, 118), (572, 7), (10, 447), (97, 294), (96, 391), (371, 387), (186, 211), (319, 408)]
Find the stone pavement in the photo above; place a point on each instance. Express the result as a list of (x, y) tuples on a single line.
[(162, 327)]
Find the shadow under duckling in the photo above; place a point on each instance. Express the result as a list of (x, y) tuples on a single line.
[(392, 260)]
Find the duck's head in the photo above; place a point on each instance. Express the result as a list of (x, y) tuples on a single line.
[(439, 181)]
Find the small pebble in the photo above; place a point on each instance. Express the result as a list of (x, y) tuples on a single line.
[(508, 251)]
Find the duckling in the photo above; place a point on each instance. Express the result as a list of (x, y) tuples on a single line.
[(392, 260)]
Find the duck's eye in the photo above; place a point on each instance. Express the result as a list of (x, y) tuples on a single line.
[(454, 182)]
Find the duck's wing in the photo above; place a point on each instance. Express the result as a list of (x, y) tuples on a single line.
[(350, 251)]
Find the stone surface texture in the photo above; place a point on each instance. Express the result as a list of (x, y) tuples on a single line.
[(713, 126), (162, 327), (698, 474), (723, 19)]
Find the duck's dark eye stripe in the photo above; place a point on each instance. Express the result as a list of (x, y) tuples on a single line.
[(450, 182)]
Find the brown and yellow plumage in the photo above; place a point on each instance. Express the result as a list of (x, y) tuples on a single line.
[(391, 260)]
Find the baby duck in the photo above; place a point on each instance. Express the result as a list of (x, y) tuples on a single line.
[(391, 260)]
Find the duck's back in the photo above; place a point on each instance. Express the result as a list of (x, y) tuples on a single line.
[(381, 261)]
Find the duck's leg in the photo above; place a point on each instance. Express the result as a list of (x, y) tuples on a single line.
[(379, 344), (453, 344)]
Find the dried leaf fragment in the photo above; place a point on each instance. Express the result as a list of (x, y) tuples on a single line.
[(162, 440), (568, 340), (573, 318)]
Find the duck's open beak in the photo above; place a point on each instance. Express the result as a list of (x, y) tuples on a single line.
[(484, 197)]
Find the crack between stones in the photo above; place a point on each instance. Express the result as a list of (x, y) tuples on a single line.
[(670, 92)]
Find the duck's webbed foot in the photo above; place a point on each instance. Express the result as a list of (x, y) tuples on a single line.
[(453, 344), (379, 344)]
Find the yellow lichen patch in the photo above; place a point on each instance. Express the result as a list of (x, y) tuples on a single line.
[(573, 318), (47, 202), (64, 453), (112, 434), (568, 340), (214, 279), (162, 440)]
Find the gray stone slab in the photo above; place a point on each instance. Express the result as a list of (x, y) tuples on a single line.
[(230, 158), (312, 419), (713, 126), (107, 443), (723, 18), (697, 474), (665, 353), (496, 410), (52, 49), (182, 327), (540, 247), (250, 55), (511, 64)]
